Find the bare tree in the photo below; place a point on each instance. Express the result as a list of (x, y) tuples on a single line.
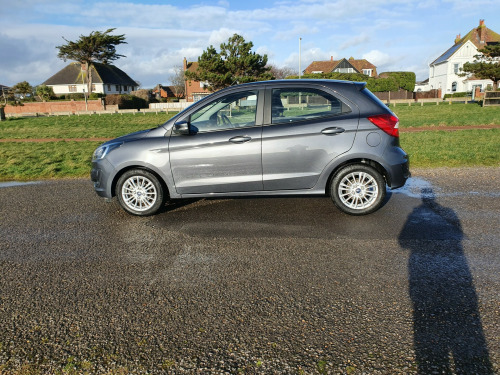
[(177, 81), (283, 72)]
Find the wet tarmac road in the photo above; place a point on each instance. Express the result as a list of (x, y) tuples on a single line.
[(282, 285)]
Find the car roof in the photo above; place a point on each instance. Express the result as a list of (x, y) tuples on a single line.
[(305, 81)]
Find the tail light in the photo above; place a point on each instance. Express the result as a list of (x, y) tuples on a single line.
[(388, 123)]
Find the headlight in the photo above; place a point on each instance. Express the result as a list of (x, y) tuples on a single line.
[(102, 151)]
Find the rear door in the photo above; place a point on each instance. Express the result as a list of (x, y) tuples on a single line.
[(304, 129)]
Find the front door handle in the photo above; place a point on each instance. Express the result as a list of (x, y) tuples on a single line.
[(240, 139), (332, 131)]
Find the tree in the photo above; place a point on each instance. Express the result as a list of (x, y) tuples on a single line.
[(96, 47), (23, 88), (235, 63), (486, 65), (178, 80), (44, 92), (282, 73)]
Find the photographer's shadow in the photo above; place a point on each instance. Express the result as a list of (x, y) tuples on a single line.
[(448, 334)]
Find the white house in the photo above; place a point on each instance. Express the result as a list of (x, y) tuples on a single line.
[(444, 71), (106, 79)]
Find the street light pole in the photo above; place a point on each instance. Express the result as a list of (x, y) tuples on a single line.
[(300, 70)]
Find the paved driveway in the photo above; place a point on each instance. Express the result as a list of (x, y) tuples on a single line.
[(282, 285)]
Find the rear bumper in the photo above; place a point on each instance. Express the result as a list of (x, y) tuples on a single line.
[(399, 170)]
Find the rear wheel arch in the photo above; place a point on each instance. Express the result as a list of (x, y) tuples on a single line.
[(369, 162), (358, 189)]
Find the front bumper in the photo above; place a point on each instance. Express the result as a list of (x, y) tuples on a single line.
[(101, 174)]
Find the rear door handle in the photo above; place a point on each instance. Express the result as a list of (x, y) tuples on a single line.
[(240, 139), (332, 131)]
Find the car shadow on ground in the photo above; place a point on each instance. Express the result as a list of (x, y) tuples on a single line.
[(448, 334)]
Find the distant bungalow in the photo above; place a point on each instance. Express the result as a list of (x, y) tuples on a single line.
[(106, 79)]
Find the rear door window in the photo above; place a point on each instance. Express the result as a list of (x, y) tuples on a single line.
[(301, 104)]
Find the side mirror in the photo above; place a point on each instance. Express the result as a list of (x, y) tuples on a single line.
[(181, 127)]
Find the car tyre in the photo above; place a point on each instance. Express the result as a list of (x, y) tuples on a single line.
[(358, 189), (139, 192)]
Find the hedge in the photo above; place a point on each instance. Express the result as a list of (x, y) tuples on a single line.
[(126, 101), (389, 81)]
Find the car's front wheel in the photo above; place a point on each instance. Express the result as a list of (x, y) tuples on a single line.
[(139, 192), (358, 189)]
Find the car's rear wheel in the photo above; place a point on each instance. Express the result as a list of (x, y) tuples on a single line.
[(140, 192), (358, 189)]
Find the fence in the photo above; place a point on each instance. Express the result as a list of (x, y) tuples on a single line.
[(66, 108), (491, 98), (173, 106)]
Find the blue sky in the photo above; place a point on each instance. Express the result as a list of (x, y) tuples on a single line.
[(392, 34)]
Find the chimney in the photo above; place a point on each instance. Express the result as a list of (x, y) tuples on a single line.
[(331, 58), (184, 64), (481, 31), (457, 39)]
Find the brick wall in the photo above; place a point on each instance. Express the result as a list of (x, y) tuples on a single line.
[(52, 107)]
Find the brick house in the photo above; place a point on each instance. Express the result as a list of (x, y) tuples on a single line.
[(342, 66), (161, 91), (106, 79), (194, 90)]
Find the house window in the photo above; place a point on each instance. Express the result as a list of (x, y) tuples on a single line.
[(117, 87), (344, 70), (72, 88), (124, 88), (317, 72), (368, 72), (455, 68), (93, 88), (109, 87), (454, 87)]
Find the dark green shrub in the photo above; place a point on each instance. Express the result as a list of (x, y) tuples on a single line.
[(95, 95), (390, 81), (126, 101)]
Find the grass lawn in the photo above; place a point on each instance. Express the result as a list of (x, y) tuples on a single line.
[(33, 160), (446, 115), (452, 148), (85, 126)]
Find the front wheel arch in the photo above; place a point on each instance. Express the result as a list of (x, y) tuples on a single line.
[(124, 170), (140, 191)]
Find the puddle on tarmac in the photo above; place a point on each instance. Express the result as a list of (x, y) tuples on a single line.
[(417, 187), (17, 183)]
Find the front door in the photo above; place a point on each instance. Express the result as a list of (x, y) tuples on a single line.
[(223, 152)]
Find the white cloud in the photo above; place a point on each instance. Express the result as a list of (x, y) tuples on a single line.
[(357, 40), (378, 58)]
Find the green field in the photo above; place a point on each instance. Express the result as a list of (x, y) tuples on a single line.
[(65, 159), (446, 115), (85, 126)]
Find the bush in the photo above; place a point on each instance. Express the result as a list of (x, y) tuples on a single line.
[(457, 95), (404, 80), (126, 101), (143, 94), (390, 81)]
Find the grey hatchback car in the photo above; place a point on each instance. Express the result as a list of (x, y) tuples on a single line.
[(290, 137)]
